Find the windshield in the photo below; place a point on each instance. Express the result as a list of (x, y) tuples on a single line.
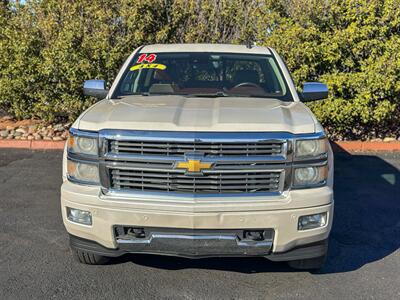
[(203, 75)]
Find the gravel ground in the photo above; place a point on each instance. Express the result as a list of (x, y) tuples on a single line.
[(35, 262)]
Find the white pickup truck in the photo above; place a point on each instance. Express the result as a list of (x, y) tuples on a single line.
[(199, 150)]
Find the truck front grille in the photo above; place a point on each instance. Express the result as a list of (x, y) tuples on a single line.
[(193, 163), (172, 148), (211, 182)]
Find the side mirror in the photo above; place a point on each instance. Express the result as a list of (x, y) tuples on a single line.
[(313, 91), (95, 88)]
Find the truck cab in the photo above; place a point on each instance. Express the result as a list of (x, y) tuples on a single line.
[(199, 150)]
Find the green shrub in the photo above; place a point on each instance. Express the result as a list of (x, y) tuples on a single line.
[(49, 47), (353, 47)]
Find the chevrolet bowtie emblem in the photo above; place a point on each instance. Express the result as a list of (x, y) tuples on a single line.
[(193, 166)]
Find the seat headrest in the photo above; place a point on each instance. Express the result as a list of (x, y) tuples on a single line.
[(246, 76), (161, 75)]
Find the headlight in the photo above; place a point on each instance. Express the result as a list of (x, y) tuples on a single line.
[(310, 176), (82, 145), (83, 172), (305, 148)]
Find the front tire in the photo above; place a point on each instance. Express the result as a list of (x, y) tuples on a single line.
[(88, 258), (308, 264)]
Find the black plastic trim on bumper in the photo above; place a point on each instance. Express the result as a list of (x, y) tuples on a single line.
[(307, 251), (312, 250)]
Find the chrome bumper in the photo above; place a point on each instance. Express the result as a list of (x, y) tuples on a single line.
[(190, 246), (197, 243)]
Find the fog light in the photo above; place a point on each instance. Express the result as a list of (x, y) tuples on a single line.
[(79, 216), (312, 221)]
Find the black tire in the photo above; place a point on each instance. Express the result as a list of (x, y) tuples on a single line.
[(308, 264), (90, 258)]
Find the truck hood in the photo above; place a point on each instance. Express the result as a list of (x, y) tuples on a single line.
[(179, 113)]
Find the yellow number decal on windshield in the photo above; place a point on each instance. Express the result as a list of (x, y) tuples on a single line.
[(148, 66)]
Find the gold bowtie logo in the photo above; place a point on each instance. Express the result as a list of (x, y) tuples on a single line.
[(193, 165)]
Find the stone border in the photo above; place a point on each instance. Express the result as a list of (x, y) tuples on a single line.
[(32, 144), (359, 146), (347, 146)]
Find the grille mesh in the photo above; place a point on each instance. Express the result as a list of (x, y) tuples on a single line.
[(263, 148), (215, 182)]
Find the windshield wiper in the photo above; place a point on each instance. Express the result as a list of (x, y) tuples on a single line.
[(154, 94), (223, 94), (211, 95), (214, 95)]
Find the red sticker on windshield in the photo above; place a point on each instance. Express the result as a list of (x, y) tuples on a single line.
[(147, 58)]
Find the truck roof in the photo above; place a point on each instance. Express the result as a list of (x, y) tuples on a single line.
[(220, 48)]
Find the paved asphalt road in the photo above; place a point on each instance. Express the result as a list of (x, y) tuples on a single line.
[(35, 262)]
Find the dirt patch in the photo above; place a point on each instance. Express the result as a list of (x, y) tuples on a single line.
[(10, 123)]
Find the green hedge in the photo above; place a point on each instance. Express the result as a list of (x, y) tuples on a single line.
[(49, 47)]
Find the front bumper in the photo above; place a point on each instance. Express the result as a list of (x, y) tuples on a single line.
[(201, 248), (278, 214)]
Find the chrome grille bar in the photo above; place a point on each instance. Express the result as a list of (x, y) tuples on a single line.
[(172, 181), (179, 148)]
